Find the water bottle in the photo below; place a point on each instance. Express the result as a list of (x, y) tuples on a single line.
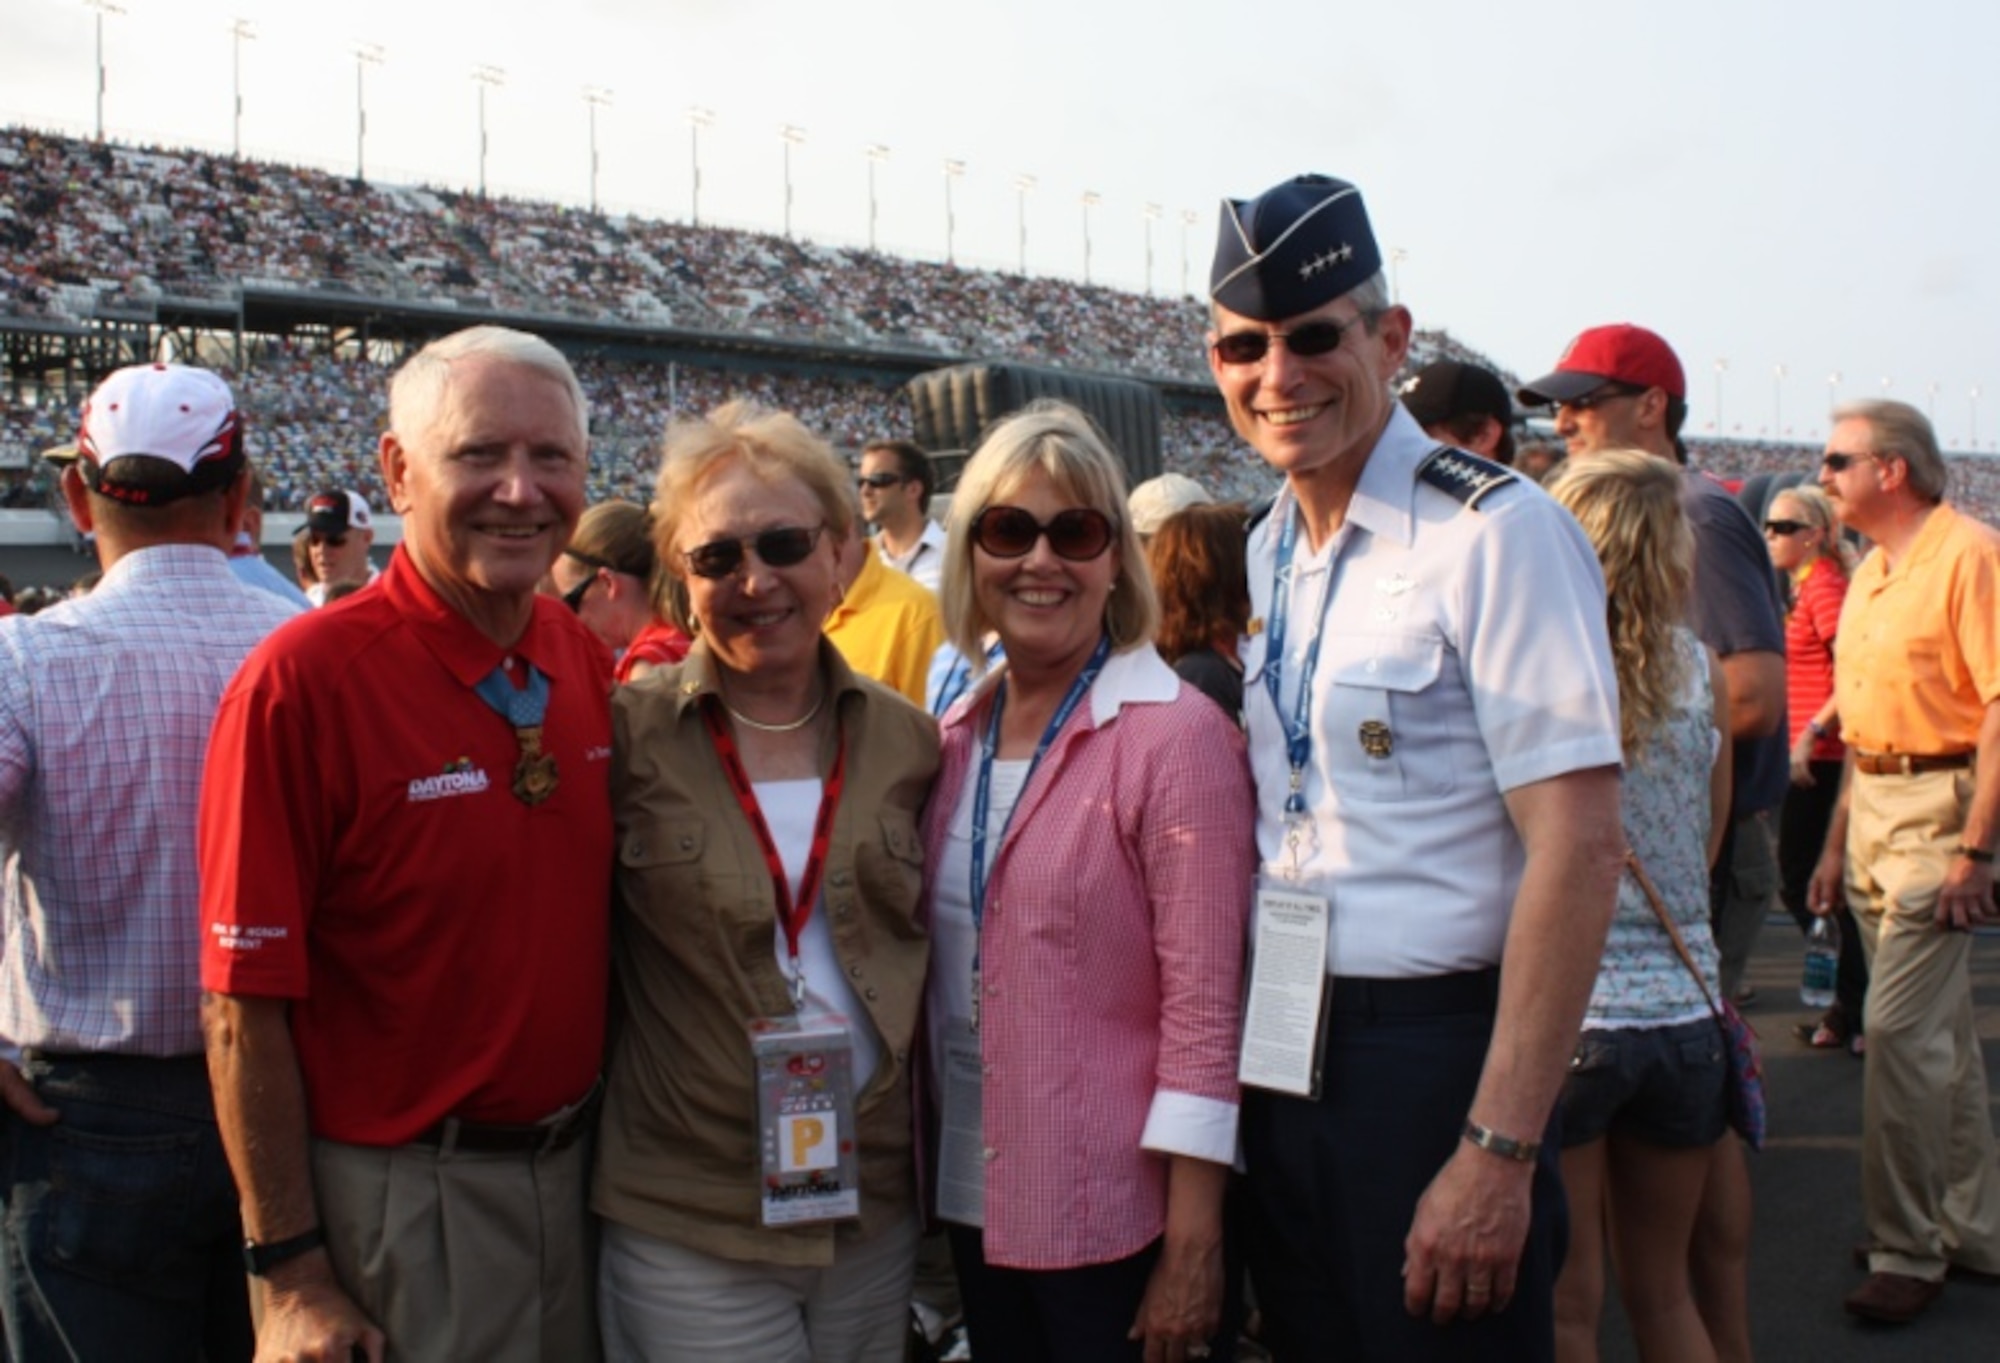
[(1822, 963)]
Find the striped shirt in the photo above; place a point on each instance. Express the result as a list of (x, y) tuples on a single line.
[(105, 708), (1110, 960), (1809, 634)]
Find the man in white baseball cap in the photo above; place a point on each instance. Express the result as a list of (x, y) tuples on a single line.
[(340, 531)]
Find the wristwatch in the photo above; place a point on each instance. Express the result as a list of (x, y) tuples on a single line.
[(259, 1260), (1506, 1147)]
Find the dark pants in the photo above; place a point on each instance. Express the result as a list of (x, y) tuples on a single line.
[(1801, 835), (121, 1236), (1334, 1184), (1068, 1315)]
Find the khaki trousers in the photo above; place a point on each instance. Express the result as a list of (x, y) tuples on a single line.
[(1930, 1186), (464, 1256)]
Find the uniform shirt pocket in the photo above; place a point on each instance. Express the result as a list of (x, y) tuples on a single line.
[(1387, 723)]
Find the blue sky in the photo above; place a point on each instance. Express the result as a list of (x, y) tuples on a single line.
[(1766, 184)]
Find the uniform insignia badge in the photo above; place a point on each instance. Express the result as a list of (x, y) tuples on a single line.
[(1376, 739)]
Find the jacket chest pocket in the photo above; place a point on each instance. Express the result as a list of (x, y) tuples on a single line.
[(1388, 719)]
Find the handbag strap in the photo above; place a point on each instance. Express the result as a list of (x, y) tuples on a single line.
[(1659, 907)]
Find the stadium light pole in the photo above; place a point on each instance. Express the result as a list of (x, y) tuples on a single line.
[(877, 154), (238, 31), (103, 7), (1973, 395), (595, 96), (1721, 368), (1397, 255), (1188, 220), (1091, 199), (791, 135), (1930, 409), (1152, 214), (954, 169), (1778, 400), (484, 75), (1023, 184), (698, 118), (365, 56)]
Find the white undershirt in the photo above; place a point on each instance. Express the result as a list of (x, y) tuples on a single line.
[(954, 939), (790, 809)]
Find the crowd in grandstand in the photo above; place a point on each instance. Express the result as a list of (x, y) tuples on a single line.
[(82, 224)]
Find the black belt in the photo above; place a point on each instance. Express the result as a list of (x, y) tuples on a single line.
[(113, 1059), (1909, 764), (537, 1138), (1472, 991)]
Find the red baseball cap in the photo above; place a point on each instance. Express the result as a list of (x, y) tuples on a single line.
[(1621, 353)]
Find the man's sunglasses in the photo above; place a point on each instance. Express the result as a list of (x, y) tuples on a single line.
[(881, 480), (330, 541), (1078, 535), (1786, 529), (1838, 462), (1597, 397), (780, 548), (1305, 341)]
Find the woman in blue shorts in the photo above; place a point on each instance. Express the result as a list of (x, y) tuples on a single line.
[(1645, 1102)]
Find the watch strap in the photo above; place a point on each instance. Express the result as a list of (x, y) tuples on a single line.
[(259, 1260), (1523, 1152)]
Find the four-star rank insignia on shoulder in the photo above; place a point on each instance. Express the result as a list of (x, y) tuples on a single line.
[(1464, 477)]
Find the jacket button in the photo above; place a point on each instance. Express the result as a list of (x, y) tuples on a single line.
[(869, 993)]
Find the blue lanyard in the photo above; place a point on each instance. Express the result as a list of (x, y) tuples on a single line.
[(982, 790), (1298, 733)]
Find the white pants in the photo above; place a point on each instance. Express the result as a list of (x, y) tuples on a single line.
[(659, 1302)]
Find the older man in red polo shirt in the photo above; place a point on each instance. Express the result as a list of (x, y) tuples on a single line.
[(405, 847)]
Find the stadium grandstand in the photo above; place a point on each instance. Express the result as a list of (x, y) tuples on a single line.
[(304, 288)]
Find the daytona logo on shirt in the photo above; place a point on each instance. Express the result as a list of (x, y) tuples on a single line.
[(457, 778)]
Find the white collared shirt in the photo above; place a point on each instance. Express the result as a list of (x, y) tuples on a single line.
[(1470, 644), (925, 561)]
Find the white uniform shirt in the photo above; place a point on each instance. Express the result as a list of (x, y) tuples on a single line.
[(1477, 637)]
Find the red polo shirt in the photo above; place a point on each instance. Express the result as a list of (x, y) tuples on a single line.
[(363, 854)]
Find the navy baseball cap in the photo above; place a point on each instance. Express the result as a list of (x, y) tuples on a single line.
[(1292, 248)]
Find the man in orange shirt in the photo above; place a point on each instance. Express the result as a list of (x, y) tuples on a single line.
[(1911, 845)]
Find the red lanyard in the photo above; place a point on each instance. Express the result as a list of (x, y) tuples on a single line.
[(792, 917)]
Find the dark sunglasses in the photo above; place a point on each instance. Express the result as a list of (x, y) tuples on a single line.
[(331, 541), (880, 480), (1840, 463), (1078, 535), (1597, 397), (573, 598), (780, 548), (1785, 528), (1307, 340)]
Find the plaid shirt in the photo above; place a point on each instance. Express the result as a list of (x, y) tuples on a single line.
[(1111, 962), (105, 707)]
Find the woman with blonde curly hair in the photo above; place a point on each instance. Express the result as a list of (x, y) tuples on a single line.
[(1645, 1104)]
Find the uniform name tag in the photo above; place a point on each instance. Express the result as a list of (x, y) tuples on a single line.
[(961, 1194), (805, 1120), (1282, 1034)]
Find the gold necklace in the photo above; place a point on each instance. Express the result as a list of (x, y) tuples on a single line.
[(790, 726)]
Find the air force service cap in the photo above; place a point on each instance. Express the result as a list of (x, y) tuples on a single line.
[(1292, 248)]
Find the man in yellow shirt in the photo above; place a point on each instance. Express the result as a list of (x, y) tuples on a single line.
[(1911, 845), (887, 624)]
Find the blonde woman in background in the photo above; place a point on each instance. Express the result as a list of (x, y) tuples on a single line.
[(1644, 1108)]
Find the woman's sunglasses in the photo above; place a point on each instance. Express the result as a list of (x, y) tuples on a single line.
[(1785, 528), (1078, 535), (780, 548)]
